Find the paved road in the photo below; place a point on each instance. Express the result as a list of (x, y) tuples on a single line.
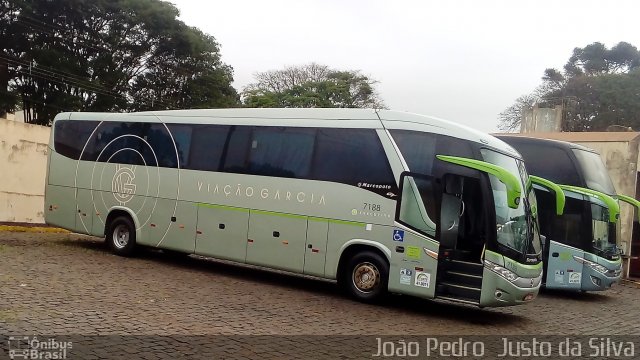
[(70, 284)]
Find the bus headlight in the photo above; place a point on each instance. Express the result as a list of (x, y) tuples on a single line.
[(502, 271), (595, 266)]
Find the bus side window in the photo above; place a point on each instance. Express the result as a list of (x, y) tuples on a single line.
[(207, 146), (283, 152), (354, 157), (418, 204)]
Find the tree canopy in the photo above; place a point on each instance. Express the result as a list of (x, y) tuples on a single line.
[(598, 87), (106, 55), (312, 85)]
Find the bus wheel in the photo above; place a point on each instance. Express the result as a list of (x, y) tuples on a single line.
[(121, 236), (366, 276)]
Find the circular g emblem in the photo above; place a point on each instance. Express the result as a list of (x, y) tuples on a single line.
[(122, 185)]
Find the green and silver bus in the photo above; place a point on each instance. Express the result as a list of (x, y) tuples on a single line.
[(579, 217), (380, 201)]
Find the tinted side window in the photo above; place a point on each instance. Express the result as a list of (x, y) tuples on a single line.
[(71, 136), (116, 142), (182, 138), (419, 150), (207, 146), (236, 152), (280, 151), (159, 148), (354, 157)]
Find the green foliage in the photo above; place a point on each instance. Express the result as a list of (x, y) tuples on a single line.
[(310, 86), (106, 55), (598, 88)]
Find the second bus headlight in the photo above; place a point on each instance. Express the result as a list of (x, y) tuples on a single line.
[(502, 271), (595, 266)]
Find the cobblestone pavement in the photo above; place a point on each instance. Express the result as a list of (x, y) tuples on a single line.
[(71, 284)]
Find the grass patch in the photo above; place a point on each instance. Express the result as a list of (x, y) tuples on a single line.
[(32, 229), (8, 316)]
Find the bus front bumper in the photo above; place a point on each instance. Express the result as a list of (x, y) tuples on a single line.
[(498, 291), (593, 280)]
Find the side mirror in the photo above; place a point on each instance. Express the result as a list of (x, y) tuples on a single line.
[(612, 204), (514, 188), (560, 198), (631, 201)]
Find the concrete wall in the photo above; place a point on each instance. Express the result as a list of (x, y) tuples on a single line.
[(621, 160), (17, 116), (23, 161)]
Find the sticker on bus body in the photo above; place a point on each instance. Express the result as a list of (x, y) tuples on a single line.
[(575, 278), (398, 235), (405, 276), (413, 252), (423, 279), (559, 277)]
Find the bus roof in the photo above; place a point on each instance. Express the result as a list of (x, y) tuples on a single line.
[(325, 117), (523, 139)]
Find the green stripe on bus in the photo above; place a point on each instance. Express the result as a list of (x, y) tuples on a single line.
[(279, 214), (341, 222), (225, 207), (294, 216)]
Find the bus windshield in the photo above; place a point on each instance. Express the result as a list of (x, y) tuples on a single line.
[(516, 228), (595, 174), (604, 232)]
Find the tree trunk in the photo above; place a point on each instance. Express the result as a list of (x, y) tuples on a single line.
[(4, 84)]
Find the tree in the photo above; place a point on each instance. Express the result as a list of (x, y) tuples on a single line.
[(598, 87), (106, 55), (312, 85)]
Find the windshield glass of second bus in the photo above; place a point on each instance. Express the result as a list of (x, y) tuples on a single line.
[(594, 172), (516, 228), (604, 232)]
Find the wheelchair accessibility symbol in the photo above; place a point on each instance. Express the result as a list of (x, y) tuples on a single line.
[(398, 235)]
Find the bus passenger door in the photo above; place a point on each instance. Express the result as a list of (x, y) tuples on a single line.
[(277, 240), (414, 263), (222, 232), (563, 271)]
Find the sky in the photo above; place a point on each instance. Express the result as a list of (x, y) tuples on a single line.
[(461, 60)]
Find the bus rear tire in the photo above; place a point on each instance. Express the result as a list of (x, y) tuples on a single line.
[(121, 236), (366, 276)]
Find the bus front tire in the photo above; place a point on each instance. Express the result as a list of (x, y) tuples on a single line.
[(366, 276), (121, 236)]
